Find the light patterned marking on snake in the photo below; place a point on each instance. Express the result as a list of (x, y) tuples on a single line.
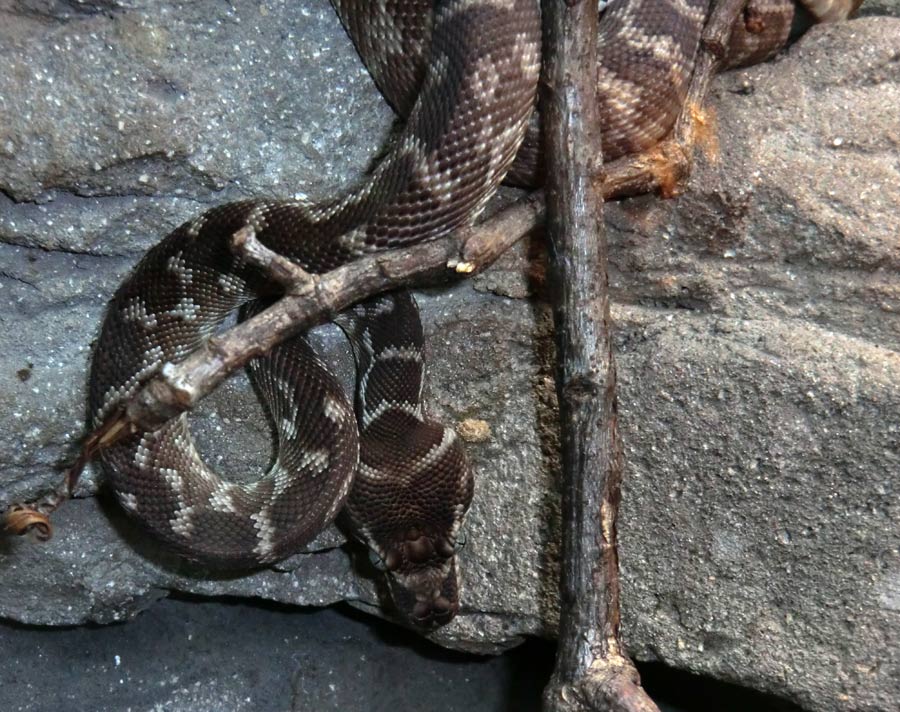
[(135, 310), (180, 269), (333, 411), (222, 498), (181, 523), (266, 532), (128, 500)]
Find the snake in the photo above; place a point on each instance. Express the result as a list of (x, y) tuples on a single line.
[(464, 76)]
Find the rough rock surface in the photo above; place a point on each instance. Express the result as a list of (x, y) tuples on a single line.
[(758, 327), (879, 7)]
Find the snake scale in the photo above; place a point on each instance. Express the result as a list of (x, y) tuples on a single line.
[(464, 74)]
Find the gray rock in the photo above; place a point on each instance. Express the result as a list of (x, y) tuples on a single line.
[(880, 7), (757, 327)]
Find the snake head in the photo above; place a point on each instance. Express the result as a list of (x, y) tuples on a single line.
[(423, 576)]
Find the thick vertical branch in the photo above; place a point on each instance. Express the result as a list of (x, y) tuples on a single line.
[(592, 672)]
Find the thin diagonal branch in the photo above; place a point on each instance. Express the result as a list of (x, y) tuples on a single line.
[(309, 300)]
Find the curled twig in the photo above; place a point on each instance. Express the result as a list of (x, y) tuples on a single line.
[(33, 517), (22, 519)]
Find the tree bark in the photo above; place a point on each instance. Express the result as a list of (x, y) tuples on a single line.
[(592, 671)]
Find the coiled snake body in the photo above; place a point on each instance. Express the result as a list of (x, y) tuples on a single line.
[(464, 73)]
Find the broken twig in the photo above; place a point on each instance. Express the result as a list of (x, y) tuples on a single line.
[(309, 300)]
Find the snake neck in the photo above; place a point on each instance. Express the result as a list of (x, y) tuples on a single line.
[(413, 484)]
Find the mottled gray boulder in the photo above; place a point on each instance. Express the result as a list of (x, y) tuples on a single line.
[(880, 7), (757, 330)]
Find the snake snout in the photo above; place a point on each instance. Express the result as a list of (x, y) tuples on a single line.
[(434, 613), (423, 579), (428, 598)]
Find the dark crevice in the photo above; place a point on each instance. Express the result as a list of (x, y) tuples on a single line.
[(680, 690), (283, 656), (5, 241), (6, 275)]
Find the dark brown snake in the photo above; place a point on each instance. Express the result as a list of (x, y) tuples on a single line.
[(464, 73)]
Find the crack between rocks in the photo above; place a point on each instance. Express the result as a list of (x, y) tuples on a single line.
[(62, 250), (63, 193), (6, 275)]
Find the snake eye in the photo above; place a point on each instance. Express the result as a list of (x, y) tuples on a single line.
[(460, 542), (376, 561)]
